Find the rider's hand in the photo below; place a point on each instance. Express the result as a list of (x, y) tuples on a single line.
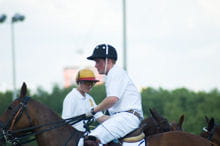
[(90, 113)]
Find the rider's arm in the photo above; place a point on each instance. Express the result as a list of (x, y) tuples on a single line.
[(106, 103)]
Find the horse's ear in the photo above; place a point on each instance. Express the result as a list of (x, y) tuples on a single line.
[(155, 114), (23, 90), (181, 119), (207, 119), (150, 110), (211, 124)]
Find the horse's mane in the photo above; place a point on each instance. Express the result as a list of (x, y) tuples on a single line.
[(43, 109), (39, 106)]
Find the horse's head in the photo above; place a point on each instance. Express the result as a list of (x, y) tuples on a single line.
[(177, 126), (150, 126), (212, 131), (161, 121), (26, 119), (16, 116), (155, 124)]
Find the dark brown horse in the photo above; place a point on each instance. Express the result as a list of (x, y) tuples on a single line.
[(212, 131), (158, 124), (161, 133), (156, 134), (25, 112)]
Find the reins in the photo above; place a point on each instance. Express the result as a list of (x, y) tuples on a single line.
[(51, 126)]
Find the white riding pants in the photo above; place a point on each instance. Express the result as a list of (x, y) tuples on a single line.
[(117, 126)]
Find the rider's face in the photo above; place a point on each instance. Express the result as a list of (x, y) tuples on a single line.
[(86, 86), (100, 65)]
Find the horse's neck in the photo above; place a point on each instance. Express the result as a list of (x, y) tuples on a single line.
[(41, 115)]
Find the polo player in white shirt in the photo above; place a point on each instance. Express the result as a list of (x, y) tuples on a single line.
[(78, 101), (123, 101)]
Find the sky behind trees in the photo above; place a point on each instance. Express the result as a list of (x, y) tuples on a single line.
[(170, 43)]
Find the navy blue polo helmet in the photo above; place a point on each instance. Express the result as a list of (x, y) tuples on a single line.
[(103, 51)]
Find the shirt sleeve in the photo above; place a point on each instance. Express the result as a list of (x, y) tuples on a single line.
[(68, 107), (116, 84)]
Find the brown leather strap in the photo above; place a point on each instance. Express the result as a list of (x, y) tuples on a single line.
[(135, 113)]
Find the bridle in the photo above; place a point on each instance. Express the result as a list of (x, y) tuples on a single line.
[(22, 107), (210, 133)]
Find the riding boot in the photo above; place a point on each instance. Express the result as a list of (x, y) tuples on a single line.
[(91, 141)]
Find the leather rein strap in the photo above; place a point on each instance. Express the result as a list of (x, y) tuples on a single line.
[(18, 113)]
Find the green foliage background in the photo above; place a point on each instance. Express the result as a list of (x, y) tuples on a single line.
[(170, 103)]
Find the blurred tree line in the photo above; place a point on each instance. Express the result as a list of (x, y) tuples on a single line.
[(171, 104)]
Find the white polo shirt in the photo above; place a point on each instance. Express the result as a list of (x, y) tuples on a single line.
[(119, 84), (75, 104)]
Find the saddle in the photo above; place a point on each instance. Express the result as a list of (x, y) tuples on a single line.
[(135, 135)]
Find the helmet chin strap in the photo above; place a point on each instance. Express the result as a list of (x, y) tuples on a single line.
[(106, 59), (106, 65)]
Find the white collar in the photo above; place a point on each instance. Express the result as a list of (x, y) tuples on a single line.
[(80, 95)]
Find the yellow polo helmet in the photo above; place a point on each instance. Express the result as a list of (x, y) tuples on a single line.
[(86, 75)]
